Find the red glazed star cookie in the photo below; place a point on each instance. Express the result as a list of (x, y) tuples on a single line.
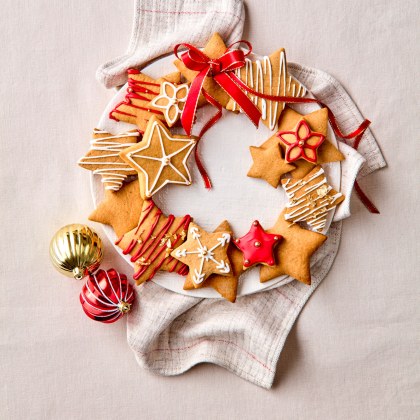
[(310, 199), (301, 143), (257, 246), (269, 76), (135, 108), (205, 253), (152, 241), (160, 158), (103, 157), (171, 101)]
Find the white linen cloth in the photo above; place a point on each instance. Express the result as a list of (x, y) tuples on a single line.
[(169, 333), (159, 25)]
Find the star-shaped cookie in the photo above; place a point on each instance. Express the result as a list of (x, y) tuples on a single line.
[(269, 76), (135, 108), (310, 199), (318, 122), (205, 254), (152, 241), (103, 157), (269, 164), (226, 285), (120, 209), (257, 246), (214, 49), (160, 158), (294, 253)]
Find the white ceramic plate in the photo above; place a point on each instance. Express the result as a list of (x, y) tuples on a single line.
[(225, 152)]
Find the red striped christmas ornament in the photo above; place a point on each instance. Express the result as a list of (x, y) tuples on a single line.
[(106, 296)]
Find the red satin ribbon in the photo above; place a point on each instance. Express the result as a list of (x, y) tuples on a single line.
[(221, 70), (213, 120), (357, 134)]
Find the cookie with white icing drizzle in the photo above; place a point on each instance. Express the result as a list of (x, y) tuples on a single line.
[(268, 75), (160, 158), (205, 253), (103, 157), (310, 199)]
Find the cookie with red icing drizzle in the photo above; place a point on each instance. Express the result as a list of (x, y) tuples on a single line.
[(135, 108), (257, 246), (152, 241)]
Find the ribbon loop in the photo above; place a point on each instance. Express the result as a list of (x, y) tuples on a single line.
[(221, 70)]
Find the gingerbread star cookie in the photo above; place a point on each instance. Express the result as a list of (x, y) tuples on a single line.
[(103, 157), (152, 241), (120, 209), (160, 158), (310, 199), (227, 284), (294, 253), (257, 246), (171, 101), (214, 49), (269, 164), (205, 254), (318, 123), (135, 108), (269, 76)]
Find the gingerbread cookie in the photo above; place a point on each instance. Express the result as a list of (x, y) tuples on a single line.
[(205, 254), (269, 164), (310, 199), (135, 109), (160, 158), (151, 242), (257, 246), (294, 253), (226, 284), (120, 209), (269, 76), (214, 49), (171, 101), (301, 143), (318, 122), (103, 157)]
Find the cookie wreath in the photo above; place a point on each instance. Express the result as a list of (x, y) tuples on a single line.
[(293, 143)]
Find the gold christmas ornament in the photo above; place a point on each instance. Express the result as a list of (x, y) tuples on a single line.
[(76, 250)]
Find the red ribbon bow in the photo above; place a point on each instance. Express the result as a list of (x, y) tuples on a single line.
[(221, 70)]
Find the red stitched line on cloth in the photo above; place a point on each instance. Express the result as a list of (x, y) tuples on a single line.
[(171, 12), (219, 340)]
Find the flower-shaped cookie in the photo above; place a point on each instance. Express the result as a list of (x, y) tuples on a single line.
[(171, 100), (301, 143)]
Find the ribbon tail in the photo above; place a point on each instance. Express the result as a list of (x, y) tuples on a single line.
[(228, 82), (365, 200), (188, 114), (213, 120)]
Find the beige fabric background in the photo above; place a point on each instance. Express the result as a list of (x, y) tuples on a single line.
[(353, 354)]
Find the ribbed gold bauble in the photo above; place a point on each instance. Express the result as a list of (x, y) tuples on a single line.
[(76, 250)]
